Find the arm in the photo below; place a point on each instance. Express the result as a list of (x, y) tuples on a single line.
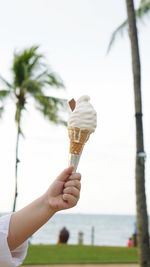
[(62, 194)]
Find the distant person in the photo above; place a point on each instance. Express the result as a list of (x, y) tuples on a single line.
[(63, 236), (130, 242), (17, 227), (80, 238), (134, 236)]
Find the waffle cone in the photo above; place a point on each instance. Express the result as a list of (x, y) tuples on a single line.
[(77, 138)]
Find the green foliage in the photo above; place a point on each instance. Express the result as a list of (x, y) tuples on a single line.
[(3, 96), (75, 254), (6, 83), (141, 12), (143, 9), (25, 64), (50, 106), (119, 30), (1, 111), (32, 78)]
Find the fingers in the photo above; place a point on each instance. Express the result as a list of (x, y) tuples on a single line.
[(65, 174), (75, 176), (73, 187), (73, 183), (71, 191), (71, 200)]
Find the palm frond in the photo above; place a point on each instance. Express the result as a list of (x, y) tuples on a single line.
[(18, 116), (140, 12), (1, 111), (33, 76), (32, 87), (4, 94), (6, 82), (41, 75), (19, 108), (35, 63), (55, 80), (21, 132), (24, 64), (143, 9), (50, 107), (50, 78), (117, 32)]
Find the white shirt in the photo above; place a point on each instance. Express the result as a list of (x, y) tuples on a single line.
[(10, 258)]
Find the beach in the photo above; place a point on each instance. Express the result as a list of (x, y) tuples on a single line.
[(108, 230)]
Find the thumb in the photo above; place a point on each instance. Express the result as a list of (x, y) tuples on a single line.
[(63, 176)]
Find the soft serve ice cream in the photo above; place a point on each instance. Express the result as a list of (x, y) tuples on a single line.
[(81, 123), (84, 115)]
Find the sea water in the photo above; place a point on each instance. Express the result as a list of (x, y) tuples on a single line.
[(107, 230)]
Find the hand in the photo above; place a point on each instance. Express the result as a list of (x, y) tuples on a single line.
[(64, 192)]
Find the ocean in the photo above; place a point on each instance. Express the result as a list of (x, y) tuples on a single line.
[(107, 230)]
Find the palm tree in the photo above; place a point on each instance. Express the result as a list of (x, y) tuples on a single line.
[(140, 12), (32, 78), (141, 206)]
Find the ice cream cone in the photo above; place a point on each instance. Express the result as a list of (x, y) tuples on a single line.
[(81, 123), (78, 138)]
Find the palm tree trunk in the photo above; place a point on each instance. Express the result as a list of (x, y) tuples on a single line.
[(141, 207), (16, 166)]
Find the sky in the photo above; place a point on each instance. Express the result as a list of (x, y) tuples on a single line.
[(74, 35)]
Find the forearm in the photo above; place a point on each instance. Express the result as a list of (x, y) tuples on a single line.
[(28, 220), (62, 194)]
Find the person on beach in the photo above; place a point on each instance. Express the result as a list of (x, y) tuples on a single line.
[(16, 228), (130, 242), (63, 236)]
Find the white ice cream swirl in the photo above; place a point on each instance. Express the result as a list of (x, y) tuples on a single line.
[(83, 116)]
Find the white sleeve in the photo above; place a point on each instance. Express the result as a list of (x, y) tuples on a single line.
[(10, 258)]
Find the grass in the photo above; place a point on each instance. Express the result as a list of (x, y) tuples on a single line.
[(76, 254)]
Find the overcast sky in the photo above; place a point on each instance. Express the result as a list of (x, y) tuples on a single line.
[(74, 35)]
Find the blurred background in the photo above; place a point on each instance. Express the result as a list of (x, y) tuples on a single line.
[(73, 36)]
